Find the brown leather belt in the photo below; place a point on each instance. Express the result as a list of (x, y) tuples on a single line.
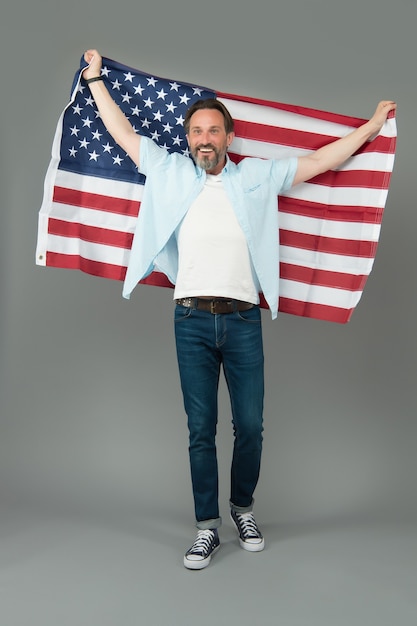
[(215, 305)]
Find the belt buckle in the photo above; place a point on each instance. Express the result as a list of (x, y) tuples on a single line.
[(213, 307)]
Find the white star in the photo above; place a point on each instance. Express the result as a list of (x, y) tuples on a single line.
[(139, 90), (108, 148), (184, 99), (155, 135), (167, 128), (164, 146), (84, 143), (151, 81), (93, 156), (179, 120), (73, 151), (171, 107), (146, 123), (126, 98), (129, 76), (87, 122), (89, 101), (176, 141), (157, 116), (81, 88), (77, 109), (197, 91), (186, 152), (174, 86), (105, 71), (136, 110), (116, 85), (117, 160), (97, 135), (74, 131), (161, 94), (148, 103)]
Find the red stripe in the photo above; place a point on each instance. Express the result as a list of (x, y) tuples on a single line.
[(157, 280), (76, 262), (317, 311), (330, 245), (322, 278), (281, 136), (366, 179), (103, 270), (92, 234), (340, 212), (385, 145), (303, 139), (86, 200)]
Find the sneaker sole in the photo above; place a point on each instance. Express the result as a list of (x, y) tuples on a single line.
[(250, 547), (199, 564)]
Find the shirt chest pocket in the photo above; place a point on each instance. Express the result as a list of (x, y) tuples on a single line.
[(256, 194)]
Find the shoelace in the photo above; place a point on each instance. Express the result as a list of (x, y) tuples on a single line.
[(202, 542), (248, 525)]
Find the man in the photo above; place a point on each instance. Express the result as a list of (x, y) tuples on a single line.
[(217, 242)]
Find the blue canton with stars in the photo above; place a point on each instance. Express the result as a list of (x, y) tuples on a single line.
[(155, 107)]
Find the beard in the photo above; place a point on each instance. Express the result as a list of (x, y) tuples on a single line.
[(207, 163)]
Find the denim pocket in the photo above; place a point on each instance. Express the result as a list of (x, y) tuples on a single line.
[(252, 315), (182, 312)]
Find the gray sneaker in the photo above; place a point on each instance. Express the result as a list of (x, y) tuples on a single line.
[(250, 537), (205, 545)]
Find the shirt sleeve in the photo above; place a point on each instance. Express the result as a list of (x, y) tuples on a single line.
[(150, 155), (283, 172)]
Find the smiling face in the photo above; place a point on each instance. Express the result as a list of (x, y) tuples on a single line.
[(208, 140)]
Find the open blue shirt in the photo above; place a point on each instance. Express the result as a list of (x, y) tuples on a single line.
[(173, 182)]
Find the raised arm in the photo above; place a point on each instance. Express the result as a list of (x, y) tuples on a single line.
[(112, 116), (334, 154)]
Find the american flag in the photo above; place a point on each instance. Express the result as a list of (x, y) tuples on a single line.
[(329, 226)]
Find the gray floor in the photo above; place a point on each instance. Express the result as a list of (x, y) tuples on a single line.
[(92, 567)]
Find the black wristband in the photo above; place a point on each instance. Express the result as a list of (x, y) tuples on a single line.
[(93, 80)]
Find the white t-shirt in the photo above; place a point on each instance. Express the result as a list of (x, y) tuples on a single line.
[(213, 254)]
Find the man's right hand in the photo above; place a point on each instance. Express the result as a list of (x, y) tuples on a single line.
[(111, 115), (94, 60)]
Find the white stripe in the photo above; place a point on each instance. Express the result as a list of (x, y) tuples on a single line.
[(319, 295), (325, 261), (334, 196), (329, 228), (103, 186), (93, 217), (376, 161), (263, 150), (92, 251)]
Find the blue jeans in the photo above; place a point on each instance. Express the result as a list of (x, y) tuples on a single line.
[(205, 342)]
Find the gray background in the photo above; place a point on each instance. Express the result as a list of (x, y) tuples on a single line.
[(96, 506)]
